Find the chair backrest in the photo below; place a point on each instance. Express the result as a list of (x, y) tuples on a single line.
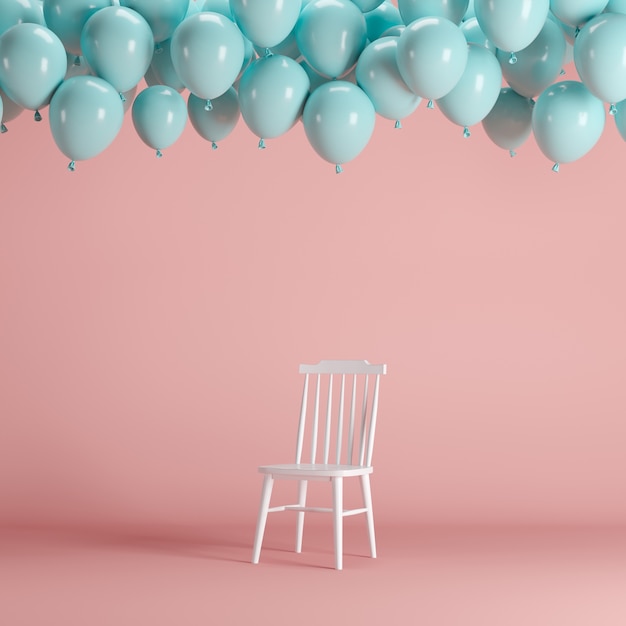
[(338, 416)]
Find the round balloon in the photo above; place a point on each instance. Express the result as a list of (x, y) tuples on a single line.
[(381, 19), (331, 35), (162, 68), (509, 123), (378, 76), (567, 121), (600, 56), (452, 10), (432, 55), (538, 65), (217, 123), (159, 116), (266, 22), (338, 120), (14, 12), (474, 34), (163, 16), (219, 6), (477, 90), (86, 115), (68, 17), (117, 44), (207, 53), (272, 92), (576, 12), (33, 63), (511, 25)]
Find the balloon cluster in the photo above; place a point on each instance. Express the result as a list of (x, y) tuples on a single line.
[(333, 64)]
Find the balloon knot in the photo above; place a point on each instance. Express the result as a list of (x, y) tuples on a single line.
[(3, 128), (513, 58), (512, 153), (261, 144), (122, 97), (208, 105), (430, 105), (532, 102), (159, 154), (577, 31), (338, 169), (398, 124), (555, 167), (612, 110), (72, 166), (466, 132), (158, 49), (268, 52), (37, 116), (562, 72), (76, 61), (214, 146)]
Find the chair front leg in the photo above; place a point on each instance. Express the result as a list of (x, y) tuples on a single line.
[(302, 485), (367, 503), (266, 496), (337, 483)]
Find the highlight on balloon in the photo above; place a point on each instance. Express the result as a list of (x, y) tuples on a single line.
[(336, 66)]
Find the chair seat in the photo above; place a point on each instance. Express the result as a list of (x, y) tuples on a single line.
[(301, 470)]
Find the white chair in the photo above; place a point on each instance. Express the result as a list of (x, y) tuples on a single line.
[(337, 384)]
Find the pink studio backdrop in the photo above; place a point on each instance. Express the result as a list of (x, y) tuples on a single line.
[(153, 314)]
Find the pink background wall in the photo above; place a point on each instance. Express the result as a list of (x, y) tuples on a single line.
[(153, 314)]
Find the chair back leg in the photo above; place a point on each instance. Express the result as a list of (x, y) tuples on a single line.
[(337, 482), (266, 495)]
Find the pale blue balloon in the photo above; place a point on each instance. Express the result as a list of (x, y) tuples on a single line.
[(378, 76), (14, 12), (159, 116), (208, 54), (616, 6), (220, 121), (338, 120), (219, 6), (381, 19), (452, 10), (86, 114), (11, 109), (272, 93), (600, 56), (161, 68), (266, 22), (163, 16), (288, 47), (570, 32), (474, 34), (513, 24), (32, 64), (567, 121), (509, 123), (538, 65), (620, 118), (117, 44), (367, 5), (331, 35), (67, 18), (477, 90), (432, 55), (576, 12)]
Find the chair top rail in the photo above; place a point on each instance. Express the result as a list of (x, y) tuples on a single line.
[(343, 367)]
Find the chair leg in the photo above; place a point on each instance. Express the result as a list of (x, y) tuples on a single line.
[(367, 502), (302, 485), (337, 483), (266, 495)]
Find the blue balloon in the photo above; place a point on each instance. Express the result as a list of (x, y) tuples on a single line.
[(331, 35), (266, 22), (217, 123), (159, 116), (616, 6), (161, 70), (567, 121), (477, 90), (432, 55), (338, 120), (600, 56), (33, 63), (163, 16), (219, 6), (452, 10), (208, 53), (620, 118), (474, 34), (86, 115), (14, 12), (272, 92), (513, 24), (576, 12), (381, 19), (117, 44), (509, 123), (67, 18), (538, 65), (378, 76)]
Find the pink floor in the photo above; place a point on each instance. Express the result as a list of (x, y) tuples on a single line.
[(424, 575)]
